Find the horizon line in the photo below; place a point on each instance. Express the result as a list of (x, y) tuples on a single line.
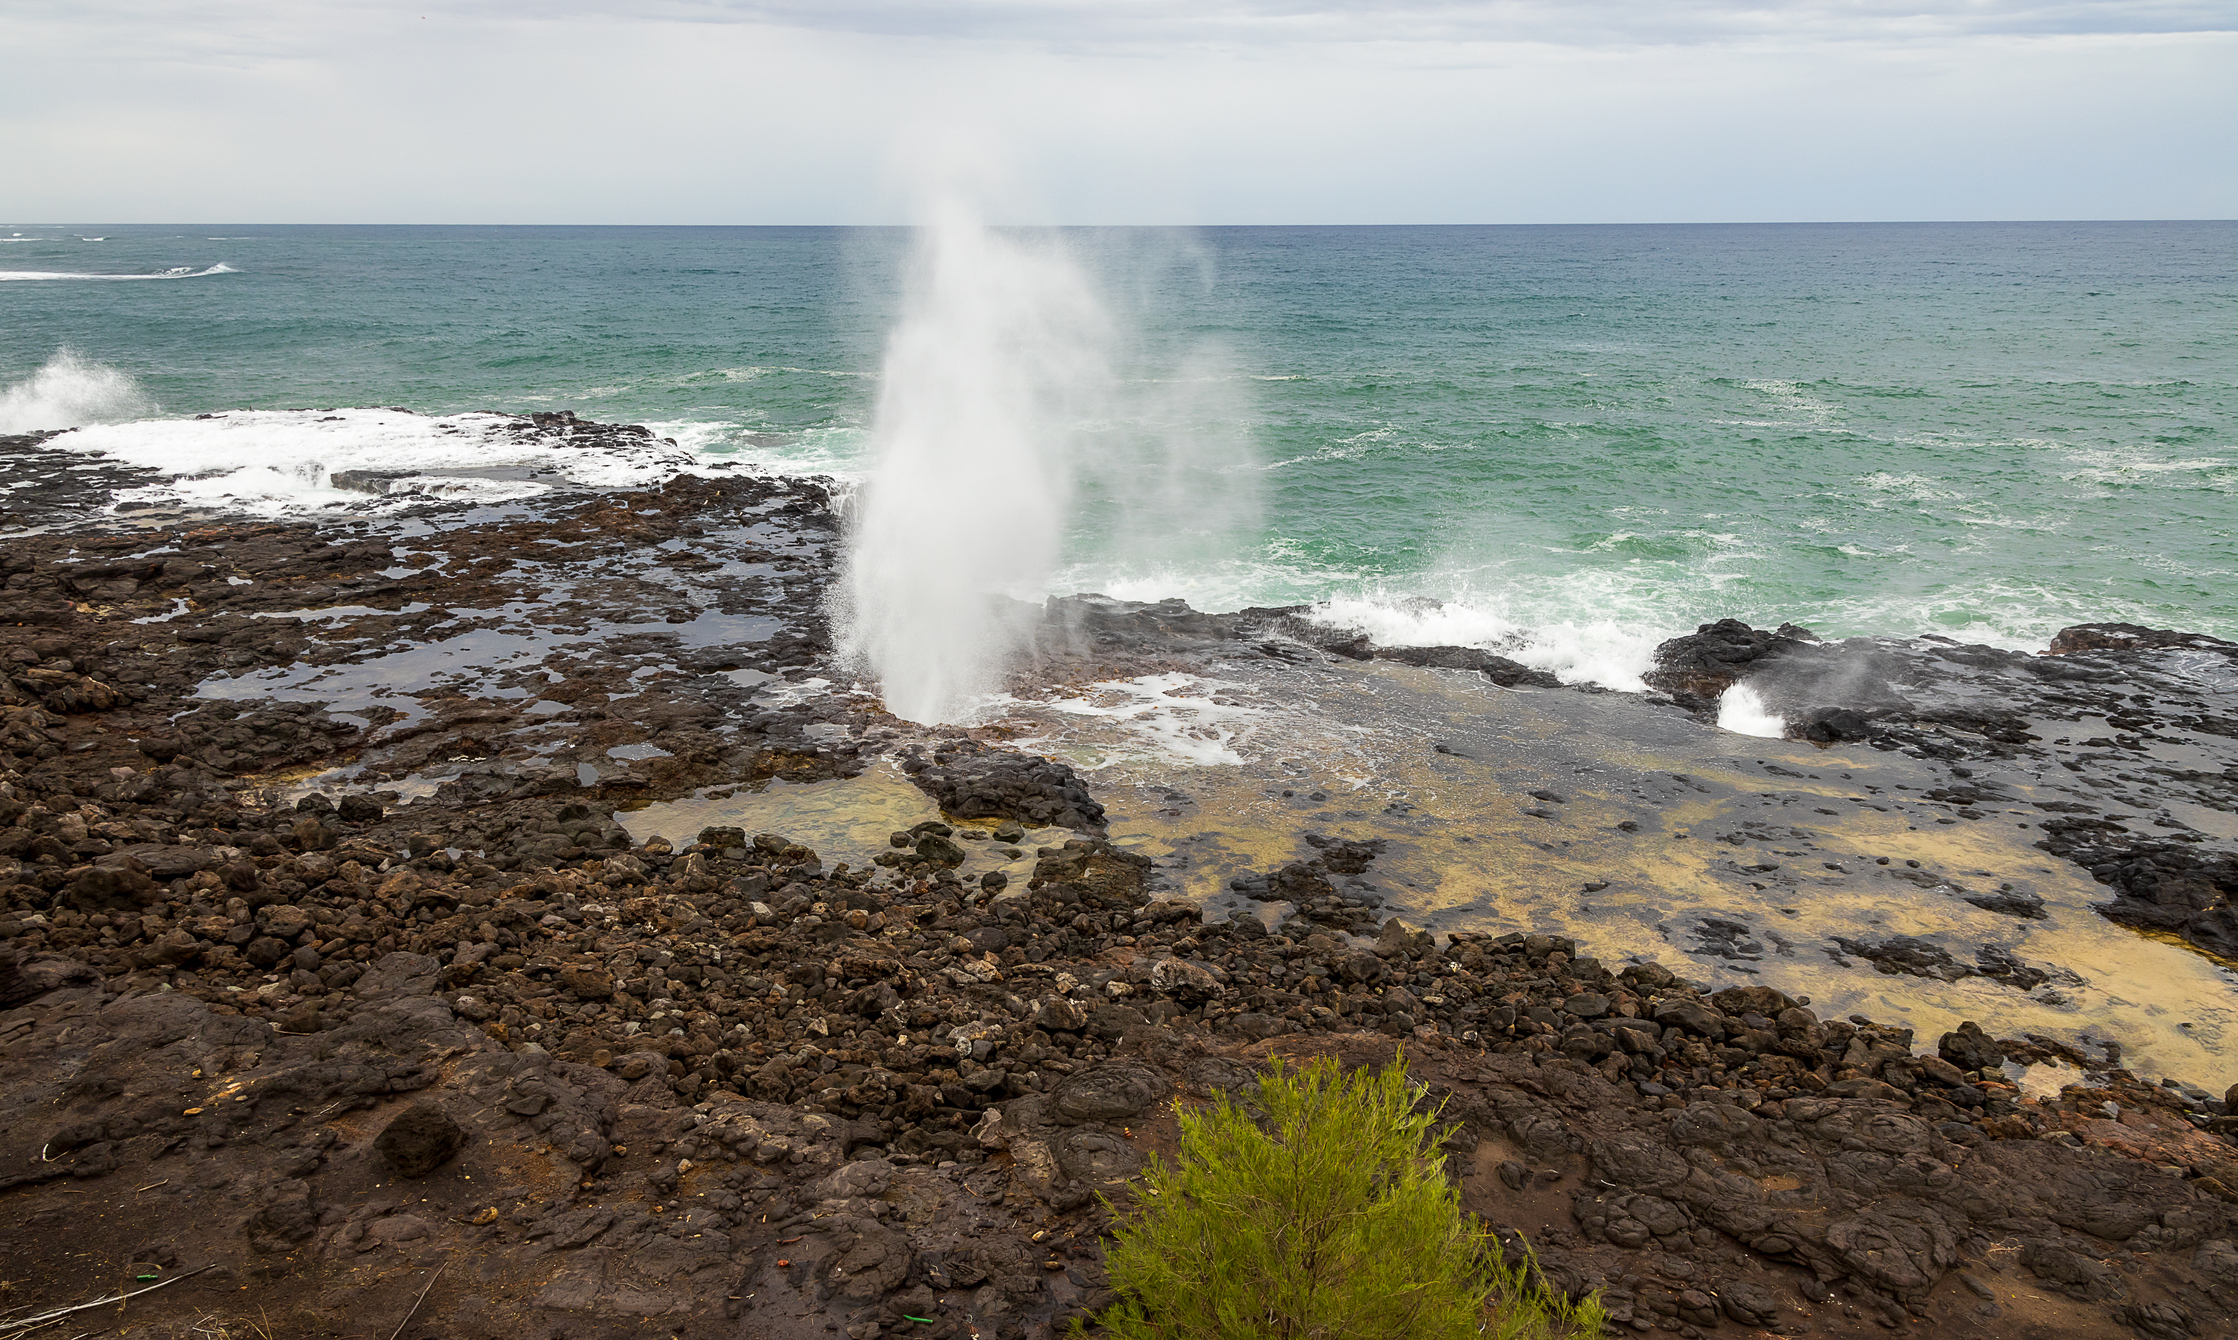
[(1633, 223)]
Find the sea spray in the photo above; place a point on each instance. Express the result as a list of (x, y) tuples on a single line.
[(69, 392), (1001, 356), (1742, 710), (1168, 486)]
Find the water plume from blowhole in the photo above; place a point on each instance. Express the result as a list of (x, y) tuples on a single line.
[(1000, 358)]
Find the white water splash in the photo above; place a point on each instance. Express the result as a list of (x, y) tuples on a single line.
[(1598, 651), (1183, 719), (1000, 357), (70, 392), (274, 462), (1741, 710)]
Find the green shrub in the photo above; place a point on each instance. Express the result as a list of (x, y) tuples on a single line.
[(1325, 1214)]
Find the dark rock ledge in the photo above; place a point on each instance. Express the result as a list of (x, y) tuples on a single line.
[(723, 1086), (2116, 717)]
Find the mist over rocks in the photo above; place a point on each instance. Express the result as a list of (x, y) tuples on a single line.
[(1703, 664)]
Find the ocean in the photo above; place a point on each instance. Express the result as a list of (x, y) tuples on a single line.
[(1577, 439)]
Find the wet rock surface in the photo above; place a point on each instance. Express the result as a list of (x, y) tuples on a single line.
[(2122, 741), (325, 963), (973, 781)]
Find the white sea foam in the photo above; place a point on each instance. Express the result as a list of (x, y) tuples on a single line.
[(275, 461), (1741, 710), (695, 435), (180, 272), (1183, 719), (69, 392), (2126, 467), (724, 445), (838, 452), (1907, 488), (1606, 651)]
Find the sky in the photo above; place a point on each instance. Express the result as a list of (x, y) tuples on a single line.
[(1198, 112)]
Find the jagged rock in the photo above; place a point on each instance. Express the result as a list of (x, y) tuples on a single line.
[(973, 781), (1714, 656), (1970, 1048), (2088, 637)]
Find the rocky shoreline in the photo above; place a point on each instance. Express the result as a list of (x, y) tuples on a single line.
[(331, 970)]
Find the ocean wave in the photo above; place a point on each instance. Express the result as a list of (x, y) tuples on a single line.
[(179, 272), (273, 462), (2104, 467), (698, 435), (1916, 488), (837, 452), (753, 372)]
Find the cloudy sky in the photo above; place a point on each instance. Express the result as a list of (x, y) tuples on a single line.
[(1117, 111)]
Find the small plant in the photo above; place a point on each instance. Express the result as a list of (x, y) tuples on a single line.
[(1324, 1214)]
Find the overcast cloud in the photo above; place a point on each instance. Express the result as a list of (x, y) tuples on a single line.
[(1138, 111)]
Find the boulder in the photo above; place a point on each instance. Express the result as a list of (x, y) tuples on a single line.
[(1110, 1092), (1970, 1048), (421, 1139)]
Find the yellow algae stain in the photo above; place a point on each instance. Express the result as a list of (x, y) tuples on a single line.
[(1728, 858), (847, 819)]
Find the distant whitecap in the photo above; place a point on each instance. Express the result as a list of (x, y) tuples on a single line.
[(177, 272)]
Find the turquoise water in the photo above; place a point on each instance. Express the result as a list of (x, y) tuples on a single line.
[(1987, 430)]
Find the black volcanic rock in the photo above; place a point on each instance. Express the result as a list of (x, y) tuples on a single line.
[(975, 781), (2160, 886), (1825, 691), (1715, 656), (2134, 637), (692, 1072), (421, 1139), (24, 979)]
